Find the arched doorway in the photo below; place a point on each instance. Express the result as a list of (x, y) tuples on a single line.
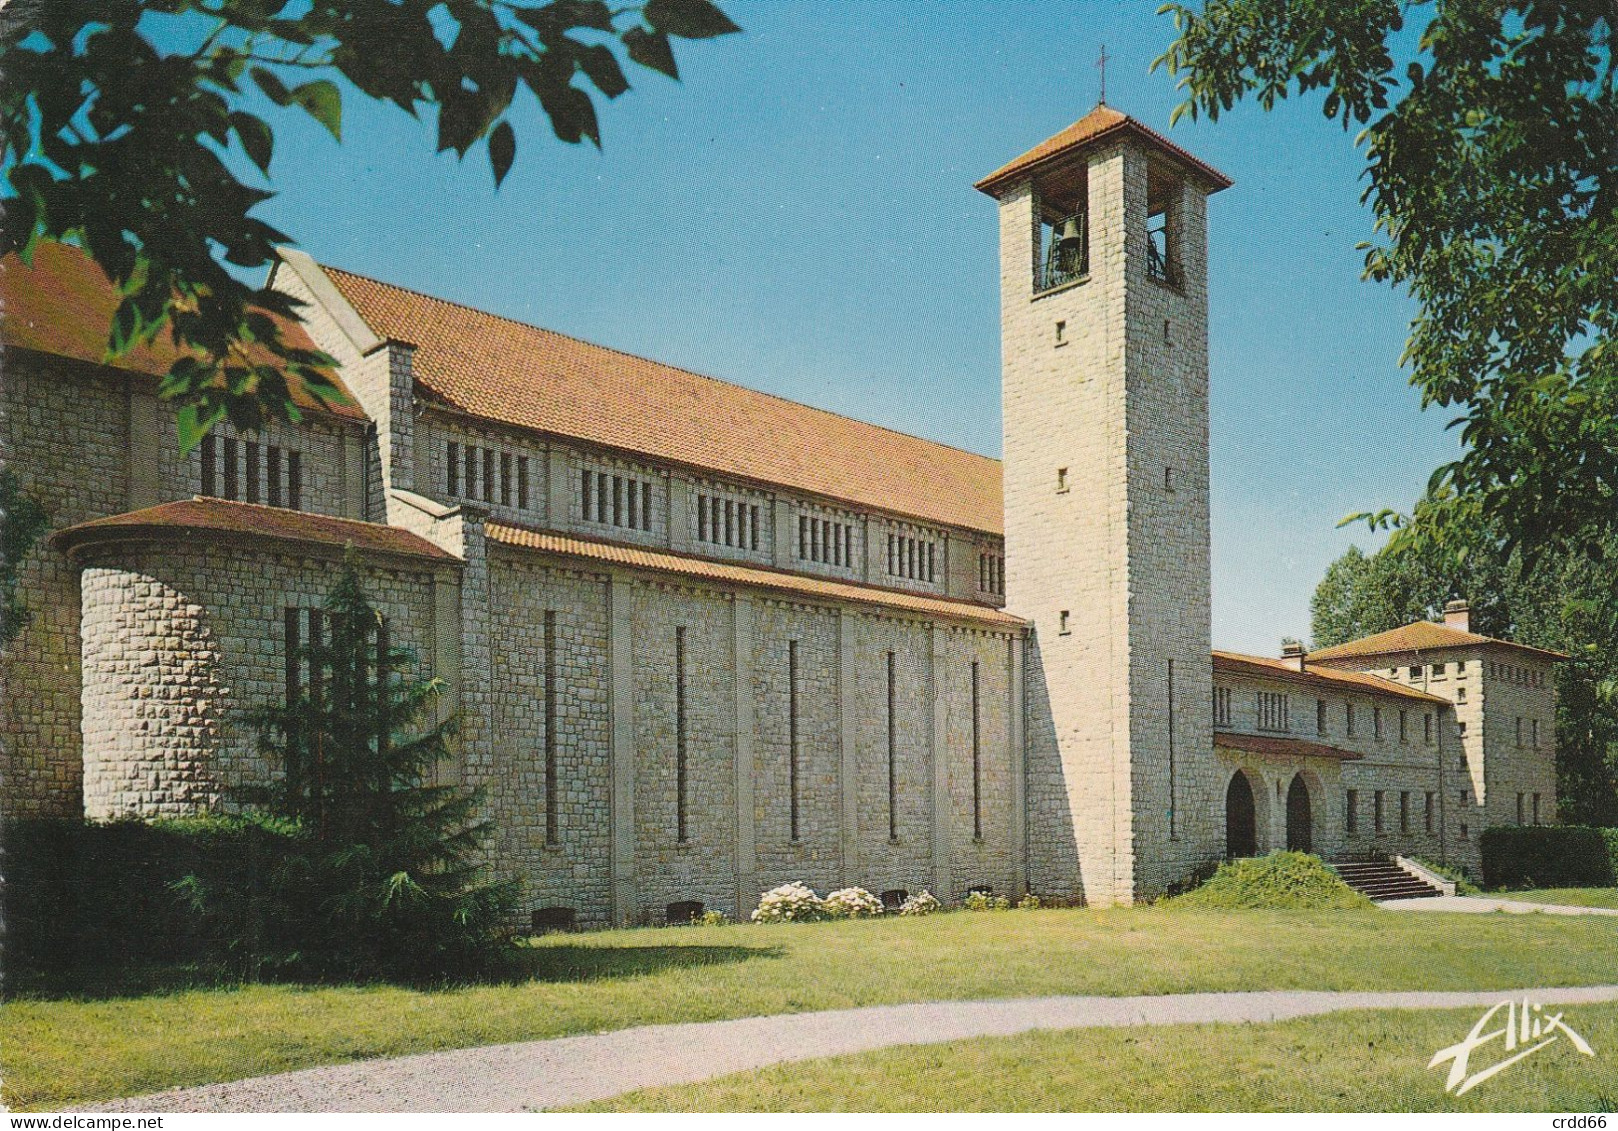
[(1299, 818), (1241, 823)]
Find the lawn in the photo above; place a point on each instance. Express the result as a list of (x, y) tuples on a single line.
[(1577, 897), (61, 1051), (1368, 1061)]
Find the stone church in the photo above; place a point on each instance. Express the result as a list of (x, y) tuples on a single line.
[(704, 641)]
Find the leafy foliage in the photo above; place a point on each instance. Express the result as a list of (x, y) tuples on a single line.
[(388, 879), (112, 142), (1283, 881), (1546, 856), (1566, 603), (22, 521), (1492, 175)]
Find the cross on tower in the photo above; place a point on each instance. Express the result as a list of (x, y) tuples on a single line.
[(1102, 64)]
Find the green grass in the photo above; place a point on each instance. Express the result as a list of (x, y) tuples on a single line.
[(1576, 897), (1370, 1061), (56, 1052), (1293, 881)]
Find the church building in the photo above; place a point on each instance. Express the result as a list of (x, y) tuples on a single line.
[(703, 641)]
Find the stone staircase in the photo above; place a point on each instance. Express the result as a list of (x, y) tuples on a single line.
[(1383, 879)]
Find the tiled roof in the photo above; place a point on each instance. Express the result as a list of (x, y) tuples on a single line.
[(1422, 636), (1238, 664), (1281, 747), (518, 374), (209, 519), (616, 553), (63, 305), (1101, 123)]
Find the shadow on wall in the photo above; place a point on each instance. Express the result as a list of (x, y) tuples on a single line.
[(1053, 847)]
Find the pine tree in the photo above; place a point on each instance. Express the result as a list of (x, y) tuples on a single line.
[(388, 882)]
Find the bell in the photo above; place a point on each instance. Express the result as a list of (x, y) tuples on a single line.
[(1069, 235)]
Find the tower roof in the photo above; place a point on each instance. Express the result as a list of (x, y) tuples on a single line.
[(1100, 125)]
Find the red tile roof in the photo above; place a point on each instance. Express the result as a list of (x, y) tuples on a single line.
[(63, 305), (518, 374), (1097, 126), (1237, 664), (219, 520), (1422, 636), (663, 561), (1281, 747)]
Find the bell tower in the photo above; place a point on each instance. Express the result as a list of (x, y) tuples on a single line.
[(1104, 332)]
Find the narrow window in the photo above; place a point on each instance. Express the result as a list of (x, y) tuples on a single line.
[(1061, 333), (1534, 737), (1061, 479), (1404, 725), (522, 482), (295, 481), (752, 531), (505, 479), (272, 474), (1173, 828), (702, 518), (250, 458), (294, 656), (1376, 720), (1062, 623), (1168, 480), (230, 468), (469, 465), (1404, 810), (1351, 811), (1427, 727), (488, 475), (1522, 798), (730, 522), (932, 572), (1536, 808), (1348, 719), (452, 462), (983, 572), (977, 761), (681, 783), (209, 457), (1320, 716), (803, 538), (617, 500), (1376, 812), (792, 734), (893, 752), (586, 485), (891, 561), (553, 808)]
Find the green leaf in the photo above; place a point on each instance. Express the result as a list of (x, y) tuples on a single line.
[(651, 49), (601, 66), (502, 151), (323, 103), (688, 19), (256, 138), (194, 423), (272, 86)]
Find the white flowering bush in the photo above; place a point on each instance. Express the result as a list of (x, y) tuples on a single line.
[(985, 901), (1029, 902), (923, 903), (851, 903), (789, 903)]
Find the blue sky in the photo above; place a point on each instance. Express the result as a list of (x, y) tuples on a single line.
[(797, 216)]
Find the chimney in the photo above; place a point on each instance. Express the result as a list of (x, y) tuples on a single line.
[(1292, 655), (1458, 615)]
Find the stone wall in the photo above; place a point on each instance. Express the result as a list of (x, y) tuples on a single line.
[(179, 640)]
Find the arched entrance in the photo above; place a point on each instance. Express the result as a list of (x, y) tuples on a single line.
[(1299, 818), (1241, 823)]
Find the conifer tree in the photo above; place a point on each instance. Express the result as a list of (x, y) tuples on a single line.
[(387, 880)]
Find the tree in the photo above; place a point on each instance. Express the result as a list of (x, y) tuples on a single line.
[(1566, 604), (1493, 178), (113, 143), (386, 879), (22, 521)]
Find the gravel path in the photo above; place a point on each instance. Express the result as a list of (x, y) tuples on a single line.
[(1477, 905), (570, 1070)]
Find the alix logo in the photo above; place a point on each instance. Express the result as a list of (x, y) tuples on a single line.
[(1525, 1023)]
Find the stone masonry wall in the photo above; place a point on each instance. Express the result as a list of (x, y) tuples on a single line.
[(179, 639)]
